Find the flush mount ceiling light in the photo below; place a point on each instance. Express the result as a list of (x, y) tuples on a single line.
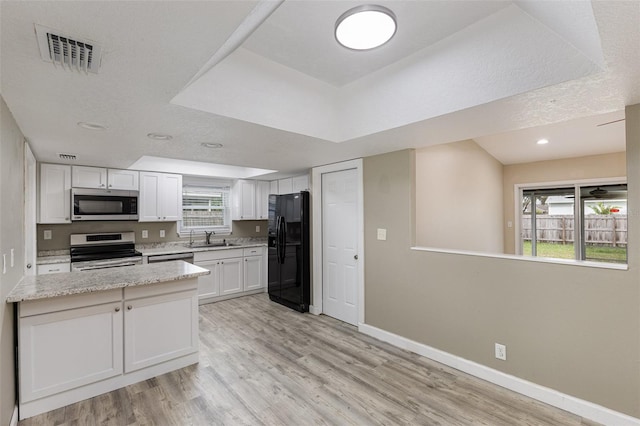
[(159, 136), (91, 126), (365, 27), (211, 145), (542, 141)]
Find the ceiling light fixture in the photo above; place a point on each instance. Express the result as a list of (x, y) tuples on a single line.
[(542, 141), (365, 27), (211, 145), (159, 136), (91, 126)]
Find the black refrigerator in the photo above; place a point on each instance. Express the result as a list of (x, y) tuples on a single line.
[(288, 240)]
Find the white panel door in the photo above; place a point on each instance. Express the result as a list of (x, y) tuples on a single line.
[(340, 245), (209, 285), (67, 349), (253, 278), (285, 186), (88, 177), (263, 189), (123, 179), (55, 193)]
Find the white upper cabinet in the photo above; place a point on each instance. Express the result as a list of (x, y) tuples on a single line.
[(262, 199), (300, 183), (123, 179), (160, 198), (101, 178), (274, 187), (55, 193), (244, 200), (285, 186)]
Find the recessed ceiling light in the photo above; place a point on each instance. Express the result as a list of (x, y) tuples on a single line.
[(159, 136), (211, 145), (542, 141), (91, 126), (365, 27)]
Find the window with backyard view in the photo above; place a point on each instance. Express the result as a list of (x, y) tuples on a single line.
[(205, 207), (575, 222)]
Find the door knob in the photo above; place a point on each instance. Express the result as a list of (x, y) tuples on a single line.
[(355, 257)]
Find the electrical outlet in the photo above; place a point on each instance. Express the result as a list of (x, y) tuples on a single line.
[(257, 228), (382, 234), (509, 224), (145, 233), (162, 233), (501, 352), (47, 234)]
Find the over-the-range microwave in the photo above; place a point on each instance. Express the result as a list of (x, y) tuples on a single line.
[(103, 204)]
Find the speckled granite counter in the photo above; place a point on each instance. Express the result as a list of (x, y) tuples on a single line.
[(175, 249), (65, 284)]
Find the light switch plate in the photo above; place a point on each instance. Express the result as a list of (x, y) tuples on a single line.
[(257, 228), (145, 233), (382, 234), (47, 234), (162, 233)]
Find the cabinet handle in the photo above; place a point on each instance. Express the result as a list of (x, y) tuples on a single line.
[(28, 266), (110, 186), (164, 217), (158, 217), (102, 184), (117, 308), (129, 307), (66, 218)]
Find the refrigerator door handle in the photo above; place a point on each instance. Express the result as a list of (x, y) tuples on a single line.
[(278, 239), (284, 239)]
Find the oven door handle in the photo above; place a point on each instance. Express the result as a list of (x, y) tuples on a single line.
[(89, 268)]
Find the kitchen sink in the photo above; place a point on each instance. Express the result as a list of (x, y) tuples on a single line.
[(214, 244)]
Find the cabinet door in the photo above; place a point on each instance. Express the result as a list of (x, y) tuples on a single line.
[(160, 328), (123, 179), (300, 183), (171, 198), (285, 186), (209, 285), (253, 276), (263, 189), (54, 268), (88, 177), (273, 187), (55, 193), (67, 349), (231, 276), (244, 200), (149, 197)]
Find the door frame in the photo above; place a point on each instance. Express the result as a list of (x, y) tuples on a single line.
[(317, 260)]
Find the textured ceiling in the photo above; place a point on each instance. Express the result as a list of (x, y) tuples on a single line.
[(267, 120)]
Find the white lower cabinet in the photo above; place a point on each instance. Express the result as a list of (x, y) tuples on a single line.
[(71, 348), (159, 328), (68, 349), (233, 273)]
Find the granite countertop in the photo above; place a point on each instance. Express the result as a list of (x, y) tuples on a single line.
[(175, 249), (65, 284)]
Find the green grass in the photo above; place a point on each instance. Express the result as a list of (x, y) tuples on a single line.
[(566, 251)]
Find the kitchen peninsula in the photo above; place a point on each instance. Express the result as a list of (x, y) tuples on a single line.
[(81, 334)]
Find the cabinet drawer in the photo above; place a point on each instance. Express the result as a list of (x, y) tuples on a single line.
[(253, 251), (54, 268), (63, 303), (137, 292), (200, 256)]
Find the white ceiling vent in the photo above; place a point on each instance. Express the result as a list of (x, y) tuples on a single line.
[(67, 51), (67, 156)]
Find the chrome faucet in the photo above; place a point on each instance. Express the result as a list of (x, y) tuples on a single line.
[(207, 236)]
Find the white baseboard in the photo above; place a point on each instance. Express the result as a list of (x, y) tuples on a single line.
[(549, 396), (315, 311), (14, 417)]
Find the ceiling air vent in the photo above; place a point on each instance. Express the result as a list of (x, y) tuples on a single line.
[(67, 156), (67, 51)]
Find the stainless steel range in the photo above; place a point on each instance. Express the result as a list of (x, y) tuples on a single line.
[(100, 251)]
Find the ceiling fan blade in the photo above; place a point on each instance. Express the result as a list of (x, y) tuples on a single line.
[(610, 122)]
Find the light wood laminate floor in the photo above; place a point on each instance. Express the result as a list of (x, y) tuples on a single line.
[(261, 363)]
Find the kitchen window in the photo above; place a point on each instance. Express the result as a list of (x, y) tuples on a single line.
[(205, 206), (582, 222)]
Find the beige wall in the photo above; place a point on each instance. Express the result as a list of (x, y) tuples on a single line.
[(570, 169), (569, 328), (459, 198), (11, 237), (60, 233)]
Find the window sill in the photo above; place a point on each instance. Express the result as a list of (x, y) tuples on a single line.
[(570, 262)]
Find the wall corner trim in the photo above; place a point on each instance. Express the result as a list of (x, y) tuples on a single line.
[(14, 416), (569, 403), (314, 311)]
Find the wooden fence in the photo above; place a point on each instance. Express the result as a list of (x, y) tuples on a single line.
[(604, 230)]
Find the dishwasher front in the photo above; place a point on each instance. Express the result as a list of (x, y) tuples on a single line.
[(187, 257)]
